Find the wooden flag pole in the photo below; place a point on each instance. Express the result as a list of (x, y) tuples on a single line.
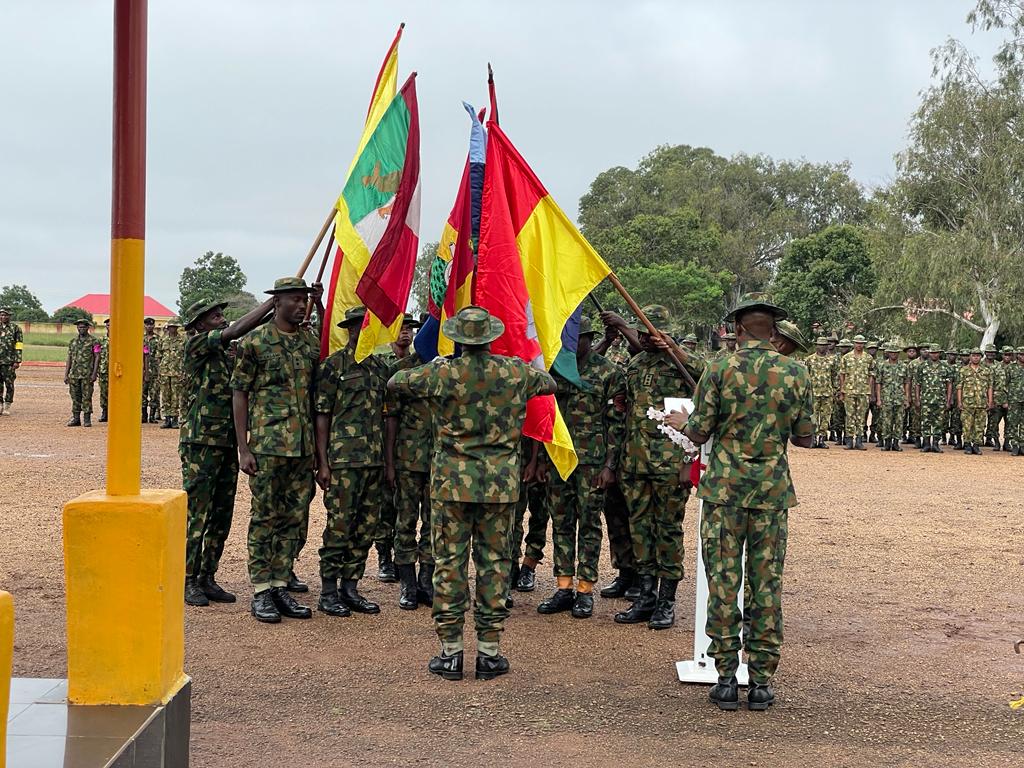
[(320, 273), (673, 350), (316, 244)]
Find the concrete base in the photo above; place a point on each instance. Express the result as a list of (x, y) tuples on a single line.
[(704, 672), (44, 731)]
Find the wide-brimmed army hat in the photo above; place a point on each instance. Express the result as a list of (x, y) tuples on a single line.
[(289, 285), (691, 338), (976, 351), (791, 332), (951, 352), (730, 336), (822, 341), (586, 326), (657, 314), (473, 325), (197, 309), (873, 345), (988, 348), (173, 323), (911, 345), (5, 310), (845, 343), (1006, 350), (761, 301), (859, 339), (1020, 350), (410, 320), (964, 351), (353, 316), (84, 321)]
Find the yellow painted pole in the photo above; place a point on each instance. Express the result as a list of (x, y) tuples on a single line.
[(6, 657)]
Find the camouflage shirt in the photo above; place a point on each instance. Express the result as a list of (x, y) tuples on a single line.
[(278, 369), (479, 403), (974, 384), (104, 369), (857, 370), (595, 415), (11, 342), (172, 354), (931, 381), (1015, 383), (821, 369), (81, 352), (151, 355), (415, 439), (650, 378), (892, 378), (207, 418), (750, 404), (352, 394), (999, 373)]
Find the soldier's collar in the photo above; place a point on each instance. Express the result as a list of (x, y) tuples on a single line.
[(756, 344)]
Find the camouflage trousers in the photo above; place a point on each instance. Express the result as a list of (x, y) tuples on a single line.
[(616, 518), (457, 528), (151, 393), (104, 382), (81, 396), (353, 501), (995, 416), (974, 424), (384, 533), (7, 376), (724, 532), (412, 500), (874, 416), (838, 422), (912, 421), (209, 475), (575, 508), (657, 506), (281, 491), (170, 395), (531, 496), (954, 421), (1015, 424), (822, 414), (933, 419), (891, 420), (856, 413)]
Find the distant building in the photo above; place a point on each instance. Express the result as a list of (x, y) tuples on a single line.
[(99, 305)]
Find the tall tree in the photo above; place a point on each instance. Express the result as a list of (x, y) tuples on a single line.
[(71, 315), (214, 276), (24, 304), (421, 280)]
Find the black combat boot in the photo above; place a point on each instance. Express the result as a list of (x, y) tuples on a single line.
[(154, 416), (859, 444), (287, 605), (214, 591), (86, 419), (75, 420), (822, 443), (725, 694), (968, 449), (448, 667), (664, 615), (633, 592), (263, 608), (619, 585), (351, 597), (490, 667), (760, 697), (166, 424), (643, 607), (193, 594), (976, 448), (896, 445), (145, 418), (1006, 446), (560, 601), (989, 443), (918, 442), (295, 584), (849, 443), (174, 423), (935, 445), (330, 601), (1016, 451), (408, 599), (386, 566), (527, 581), (583, 608), (425, 584), (103, 416)]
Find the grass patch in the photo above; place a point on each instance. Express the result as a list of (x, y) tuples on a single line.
[(38, 353), (48, 339)]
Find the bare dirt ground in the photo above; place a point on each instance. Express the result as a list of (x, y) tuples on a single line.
[(904, 594)]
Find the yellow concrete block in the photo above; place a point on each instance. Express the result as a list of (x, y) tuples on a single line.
[(6, 654), (124, 565)]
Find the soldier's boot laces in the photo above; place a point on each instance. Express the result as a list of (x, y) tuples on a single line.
[(214, 591), (425, 584), (643, 607), (664, 615), (623, 581), (490, 667), (527, 580), (193, 594), (760, 697), (560, 601), (75, 420), (87, 420), (330, 601), (355, 601), (386, 566), (288, 606), (408, 599), (263, 608), (448, 667), (725, 694)]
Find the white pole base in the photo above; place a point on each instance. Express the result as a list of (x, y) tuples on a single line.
[(704, 672)]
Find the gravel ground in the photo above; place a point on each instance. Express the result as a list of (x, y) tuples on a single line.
[(903, 599)]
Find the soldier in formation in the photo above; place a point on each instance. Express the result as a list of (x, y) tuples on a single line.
[(104, 371), (11, 344), (1000, 368), (171, 354), (954, 423), (934, 393), (80, 373), (822, 369), (150, 372), (856, 383), (892, 393), (974, 397), (1015, 403)]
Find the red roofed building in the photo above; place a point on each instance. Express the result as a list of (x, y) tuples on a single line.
[(99, 305)]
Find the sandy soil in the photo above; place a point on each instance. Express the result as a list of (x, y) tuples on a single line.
[(904, 595)]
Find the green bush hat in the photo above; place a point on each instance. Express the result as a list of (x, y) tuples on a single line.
[(964, 351), (822, 341), (760, 301), (951, 352), (586, 326), (846, 343), (289, 284), (1020, 350), (976, 351), (197, 309), (989, 348), (691, 338), (5, 310), (1006, 350), (84, 321), (353, 316), (730, 336), (858, 339), (791, 332), (657, 314), (911, 345), (411, 321), (173, 323), (872, 345), (473, 325)]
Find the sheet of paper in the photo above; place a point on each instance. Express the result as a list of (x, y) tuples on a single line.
[(678, 403)]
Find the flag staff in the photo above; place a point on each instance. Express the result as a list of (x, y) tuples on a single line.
[(316, 244)]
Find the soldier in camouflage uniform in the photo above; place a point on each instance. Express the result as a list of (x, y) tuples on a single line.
[(934, 394), (974, 396), (997, 416), (80, 373), (872, 432), (11, 343), (207, 446), (750, 404), (789, 341), (954, 423), (151, 373), (172, 352), (350, 467), (530, 539), (821, 369), (1015, 403), (594, 415), (856, 383), (892, 393), (913, 415), (838, 406), (479, 402), (728, 345), (104, 371), (653, 479), (271, 400)]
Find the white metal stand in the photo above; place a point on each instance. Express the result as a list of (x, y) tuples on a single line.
[(701, 668)]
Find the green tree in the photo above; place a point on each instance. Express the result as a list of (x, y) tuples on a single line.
[(71, 315), (240, 304), (214, 276), (821, 275), (692, 293), (24, 304), (421, 279)]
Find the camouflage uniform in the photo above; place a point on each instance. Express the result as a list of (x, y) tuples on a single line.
[(208, 452), (277, 370), (595, 417), (998, 412), (11, 342), (104, 372), (821, 370), (479, 403), (933, 379), (384, 535), (151, 385), (974, 386), (1015, 399), (913, 417), (856, 371), (749, 404), (954, 421), (532, 497), (352, 395), (82, 351), (892, 382), (838, 424), (172, 351)]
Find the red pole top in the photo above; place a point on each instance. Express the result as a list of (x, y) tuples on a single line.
[(128, 208)]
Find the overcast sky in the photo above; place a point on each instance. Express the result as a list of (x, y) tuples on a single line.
[(255, 108)]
